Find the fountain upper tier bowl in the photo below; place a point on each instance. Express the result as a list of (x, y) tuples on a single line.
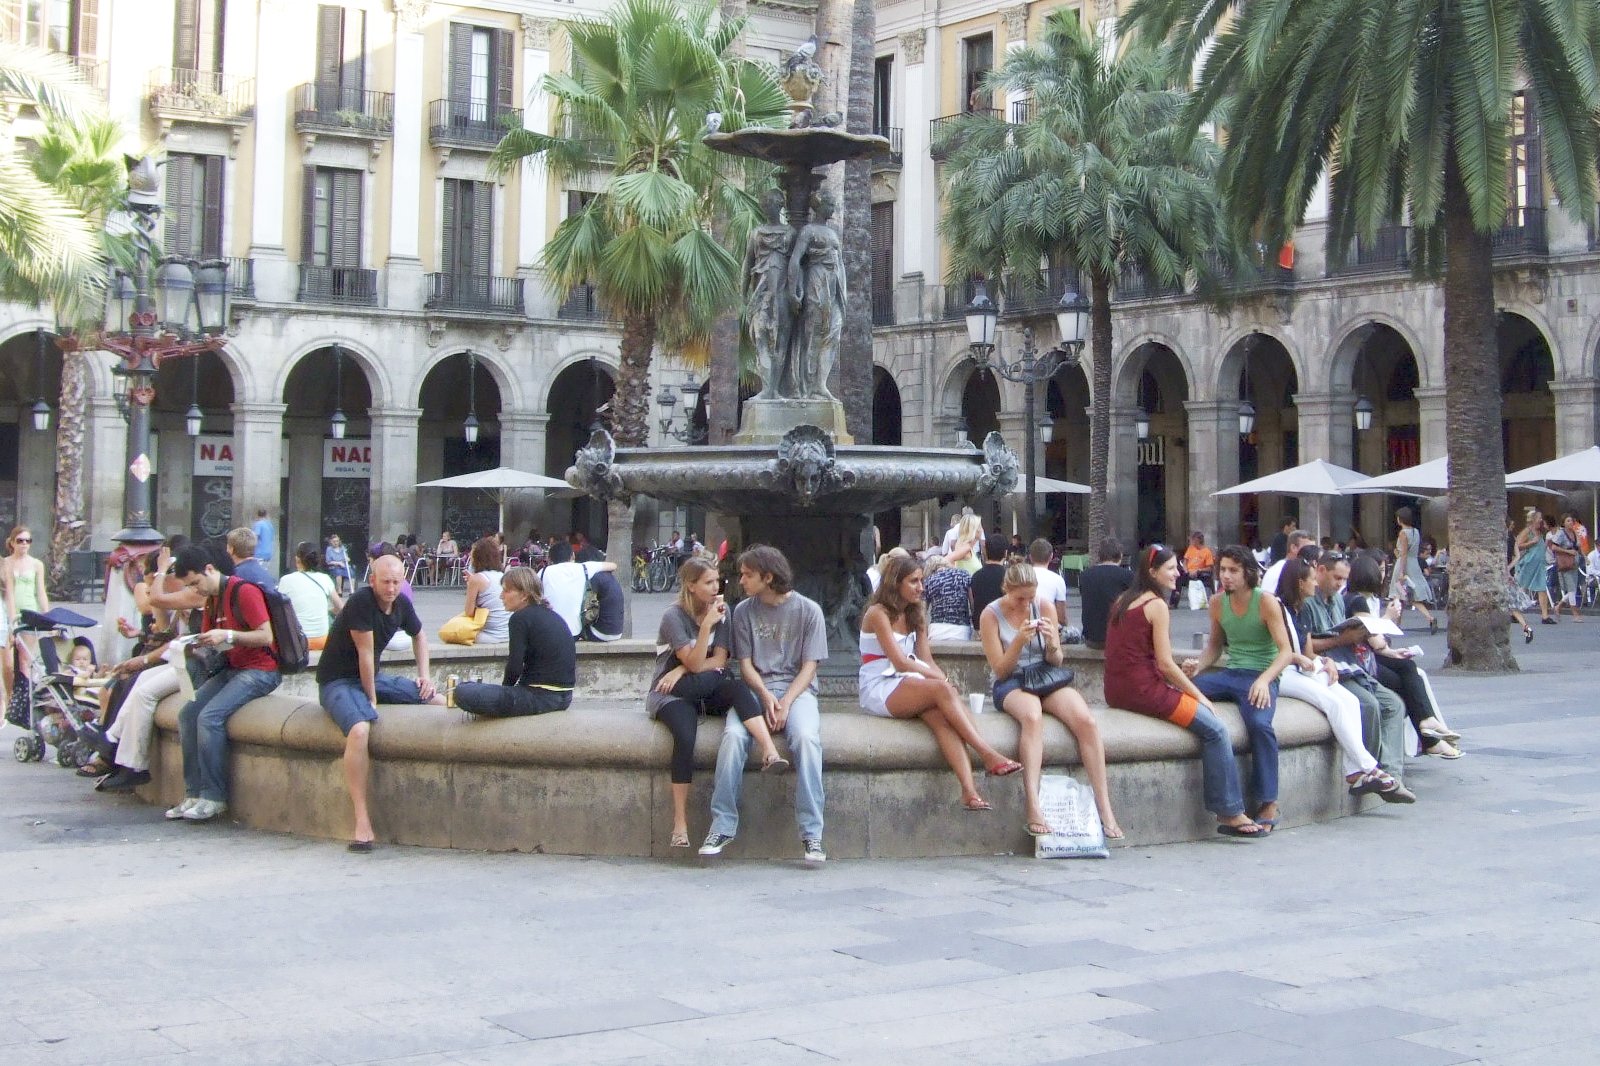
[(801, 147)]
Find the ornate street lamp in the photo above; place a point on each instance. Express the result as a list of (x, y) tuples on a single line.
[(172, 309), (667, 400), (1031, 368), (1363, 414), (40, 409), (338, 423), (469, 428), (194, 418), (1247, 418), (1141, 424)]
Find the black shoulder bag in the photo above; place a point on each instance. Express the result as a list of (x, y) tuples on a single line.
[(1043, 677)]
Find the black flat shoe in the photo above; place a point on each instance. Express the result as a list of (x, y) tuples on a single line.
[(1527, 634)]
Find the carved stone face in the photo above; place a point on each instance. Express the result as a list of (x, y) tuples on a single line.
[(810, 464)]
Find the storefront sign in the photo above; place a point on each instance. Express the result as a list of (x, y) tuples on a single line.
[(347, 458), (1153, 452), (213, 455)]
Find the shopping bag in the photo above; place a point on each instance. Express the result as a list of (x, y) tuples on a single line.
[(1197, 596), (1069, 808), (464, 628)]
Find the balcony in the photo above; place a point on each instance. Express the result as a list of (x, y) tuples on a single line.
[(1020, 109), (942, 139), (338, 285), (337, 111), (957, 297), (596, 149), (92, 71), (1041, 297), (461, 125), (582, 305), (1256, 277), (201, 96), (474, 292), (1523, 236), (1389, 251), (241, 278), (894, 158), (1137, 283), (883, 307)]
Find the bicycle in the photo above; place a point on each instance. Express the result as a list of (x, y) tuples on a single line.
[(662, 574), (641, 570)]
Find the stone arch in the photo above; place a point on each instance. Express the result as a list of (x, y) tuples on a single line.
[(954, 383), (605, 360), (1130, 363), (888, 413), (1527, 360), (1535, 317), (363, 356), (1225, 384), (1352, 336), (493, 363)]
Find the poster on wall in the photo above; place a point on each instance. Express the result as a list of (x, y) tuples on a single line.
[(211, 497), (347, 496)]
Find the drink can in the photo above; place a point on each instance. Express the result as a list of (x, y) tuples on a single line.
[(450, 690)]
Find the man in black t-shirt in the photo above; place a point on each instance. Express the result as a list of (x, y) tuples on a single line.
[(1099, 586), (349, 686), (985, 587), (1280, 543)]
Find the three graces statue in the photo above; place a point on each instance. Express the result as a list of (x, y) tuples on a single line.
[(794, 296)]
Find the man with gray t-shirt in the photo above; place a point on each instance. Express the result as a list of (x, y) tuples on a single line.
[(778, 638)]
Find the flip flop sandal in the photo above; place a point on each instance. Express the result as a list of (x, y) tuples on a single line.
[(98, 768), (1004, 769), (1039, 829), (1243, 832), (679, 840), (977, 804), (359, 847)]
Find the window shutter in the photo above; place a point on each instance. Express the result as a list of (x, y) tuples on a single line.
[(882, 247), (505, 96), (308, 219), (211, 36), (449, 260), (344, 242), (482, 232), (186, 35), (210, 189), (86, 30), (179, 214), (330, 49), (460, 70), (353, 72)]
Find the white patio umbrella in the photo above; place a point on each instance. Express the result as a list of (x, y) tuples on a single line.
[(497, 482), (1426, 479), (1578, 468), (1049, 484), (1316, 478)]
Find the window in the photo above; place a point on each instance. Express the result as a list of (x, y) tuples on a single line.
[(197, 36), (69, 26), (882, 99), (977, 54), (481, 69), (1525, 189), (468, 246), (193, 214), (341, 58), (331, 227), (882, 240)]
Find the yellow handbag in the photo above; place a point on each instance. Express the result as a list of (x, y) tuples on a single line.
[(464, 628)]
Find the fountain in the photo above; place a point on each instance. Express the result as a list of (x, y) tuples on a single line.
[(794, 476)]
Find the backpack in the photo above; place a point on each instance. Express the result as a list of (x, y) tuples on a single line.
[(289, 647)]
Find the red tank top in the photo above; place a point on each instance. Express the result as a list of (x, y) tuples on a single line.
[(1132, 681)]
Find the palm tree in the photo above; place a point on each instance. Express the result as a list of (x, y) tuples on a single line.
[(1098, 176), (634, 107), (1408, 107)]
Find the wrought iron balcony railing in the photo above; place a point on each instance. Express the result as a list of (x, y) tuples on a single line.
[(475, 292), (336, 109), (465, 124), (338, 285), (201, 95)]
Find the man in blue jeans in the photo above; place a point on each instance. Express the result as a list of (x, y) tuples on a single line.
[(1248, 623), (779, 638), (235, 619), (349, 685)]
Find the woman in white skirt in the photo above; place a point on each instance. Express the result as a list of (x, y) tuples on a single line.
[(1315, 680), (898, 678)]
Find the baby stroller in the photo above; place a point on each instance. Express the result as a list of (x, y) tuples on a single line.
[(43, 701)]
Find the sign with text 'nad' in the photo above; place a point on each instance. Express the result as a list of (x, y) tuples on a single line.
[(347, 458)]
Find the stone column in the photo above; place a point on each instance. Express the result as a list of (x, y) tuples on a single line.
[(104, 463), (394, 472), (404, 269), (1369, 510), (1327, 428), (302, 517), (1213, 465), (1431, 427), (1577, 404), (275, 278), (522, 447), (258, 462), (1122, 478)]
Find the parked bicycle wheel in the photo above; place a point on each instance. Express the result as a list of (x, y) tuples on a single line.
[(661, 574)]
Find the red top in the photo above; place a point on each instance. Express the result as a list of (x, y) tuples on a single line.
[(252, 613), (1133, 682)]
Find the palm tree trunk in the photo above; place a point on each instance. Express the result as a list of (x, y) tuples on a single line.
[(1100, 411), (1477, 496), (631, 404), (69, 531)]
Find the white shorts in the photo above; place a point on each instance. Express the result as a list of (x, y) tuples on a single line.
[(875, 691), (948, 631)]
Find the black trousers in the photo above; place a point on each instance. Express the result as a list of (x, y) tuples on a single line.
[(1401, 676), (509, 701), (714, 692)]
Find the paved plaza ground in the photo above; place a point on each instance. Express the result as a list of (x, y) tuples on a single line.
[(1461, 930)]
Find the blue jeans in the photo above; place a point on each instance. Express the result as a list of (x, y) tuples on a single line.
[(1235, 685), (1218, 770), (203, 728), (803, 730)]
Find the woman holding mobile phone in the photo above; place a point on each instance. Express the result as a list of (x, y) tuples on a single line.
[(692, 650)]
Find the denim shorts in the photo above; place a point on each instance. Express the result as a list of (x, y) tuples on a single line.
[(347, 705), (1002, 689)]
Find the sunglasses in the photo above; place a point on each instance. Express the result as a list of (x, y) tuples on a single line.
[(23, 540), (1329, 558)]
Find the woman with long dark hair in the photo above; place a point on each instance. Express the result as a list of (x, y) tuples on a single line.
[(483, 591), (899, 679), (692, 650), (1143, 677)]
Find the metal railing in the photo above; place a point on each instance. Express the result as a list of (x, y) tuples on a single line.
[(92, 70), (1041, 296), (582, 305), (336, 108), (1257, 274), (1388, 250), (1523, 234), (883, 307), (895, 137), (241, 277), (201, 94), (1020, 110), (475, 292), (338, 285), (1135, 282), (957, 296), (462, 122), (941, 136)]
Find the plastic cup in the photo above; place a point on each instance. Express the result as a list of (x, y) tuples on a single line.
[(975, 701)]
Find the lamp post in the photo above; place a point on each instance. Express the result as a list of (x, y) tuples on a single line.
[(1031, 367), (1363, 414), (667, 400), (41, 408), (166, 309), (469, 428)]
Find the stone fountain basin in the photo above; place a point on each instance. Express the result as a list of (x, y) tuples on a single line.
[(751, 479), (807, 146)]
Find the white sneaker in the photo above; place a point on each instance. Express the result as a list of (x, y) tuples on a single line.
[(813, 850), (174, 813), (204, 810)]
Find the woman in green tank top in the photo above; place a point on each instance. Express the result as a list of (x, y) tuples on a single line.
[(23, 586), (1248, 624)]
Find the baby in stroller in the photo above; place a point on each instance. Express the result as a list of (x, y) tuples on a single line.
[(47, 701)]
